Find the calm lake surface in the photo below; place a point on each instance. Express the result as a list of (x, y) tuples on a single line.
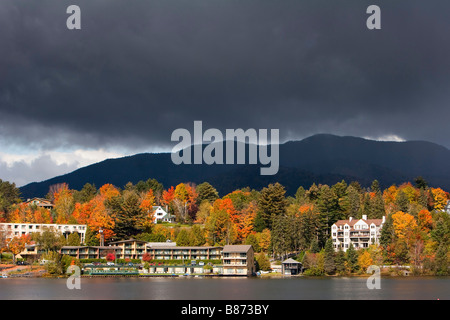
[(295, 288)]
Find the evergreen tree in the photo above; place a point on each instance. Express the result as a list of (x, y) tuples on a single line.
[(387, 232), (197, 235), (375, 187), (150, 184), (86, 194), (253, 241), (272, 203), (354, 198), (340, 261), (377, 210), (441, 260), (340, 189), (259, 223), (207, 192), (423, 198), (90, 238), (315, 248), (300, 195), (308, 223), (129, 217), (281, 238), (402, 201), (356, 186), (421, 183), (352, 258), (367, 206), (183, 238), (313, 193), (329, 213), (9, 195), (329, 257)]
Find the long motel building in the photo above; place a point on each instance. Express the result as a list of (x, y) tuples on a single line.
[(235, 260), (360, 232)]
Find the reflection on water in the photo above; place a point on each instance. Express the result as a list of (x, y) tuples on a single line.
[(300, 288)]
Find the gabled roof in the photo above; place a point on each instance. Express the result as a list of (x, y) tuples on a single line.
[(39, 202), (237, 248), (129, 240), (291, 261), (351, 223)]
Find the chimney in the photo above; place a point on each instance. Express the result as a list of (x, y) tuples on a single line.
[(364, 217), (350, 219), (383, 219), (102, 238)]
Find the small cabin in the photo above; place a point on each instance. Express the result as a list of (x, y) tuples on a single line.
[(291, 267)]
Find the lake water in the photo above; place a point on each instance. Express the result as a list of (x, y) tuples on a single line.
[(295, 288)]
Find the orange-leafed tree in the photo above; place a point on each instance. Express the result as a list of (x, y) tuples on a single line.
[(424, 220), (64, 204), (365, 260), (42, 215), (108, 191), (81, 212), (147, 202), (219, 226), (247, 218), (410, 191), (439, 198), (99, 218), (405, 227), (168, 196), (17, 244), (183, 201)]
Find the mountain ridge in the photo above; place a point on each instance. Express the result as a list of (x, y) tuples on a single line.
[(321, 158)]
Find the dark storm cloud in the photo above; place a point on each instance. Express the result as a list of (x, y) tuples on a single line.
[(140, 69)]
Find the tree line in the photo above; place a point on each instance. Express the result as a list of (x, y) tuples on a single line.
[(416, 231)]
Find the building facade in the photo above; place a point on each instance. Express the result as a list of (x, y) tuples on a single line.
[(361, 233), (91, 252), (130, 249), (235, 260), (161, 215), (20, 229), (447, 207), (291, 267), (40, 202), (238, 260), (170, 252)]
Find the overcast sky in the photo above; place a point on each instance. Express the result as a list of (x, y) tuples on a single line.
[(137, 70)]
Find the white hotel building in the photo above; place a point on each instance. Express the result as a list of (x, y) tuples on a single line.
[(19, 229), (360, 232)]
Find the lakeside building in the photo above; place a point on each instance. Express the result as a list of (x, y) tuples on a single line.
[(40, 202), (359, 232), (235, 260), (291, 267), (162, 215), (238, 259), (130, 249), (91, 252), (447, 207), (20, 229), (170, 252)]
